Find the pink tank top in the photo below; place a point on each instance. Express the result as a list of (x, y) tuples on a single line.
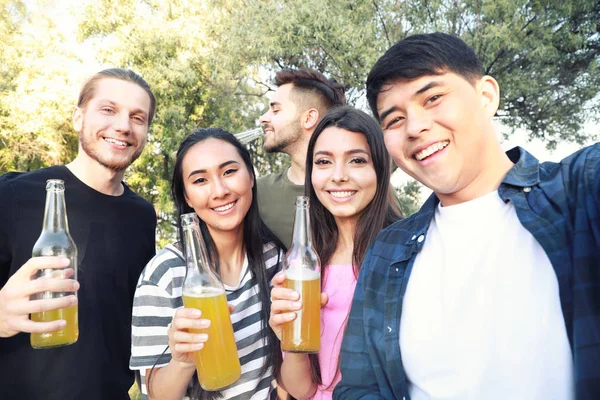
[(339, 283)]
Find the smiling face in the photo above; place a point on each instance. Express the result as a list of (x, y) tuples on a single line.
[(113, 125), (281, 121), (438, 129), (343, 175), (218, 186)]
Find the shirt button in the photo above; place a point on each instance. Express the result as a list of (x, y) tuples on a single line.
[(527, 189), (414, 237), (421, 238)]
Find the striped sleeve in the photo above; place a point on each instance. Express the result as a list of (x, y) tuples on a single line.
[(157, 297)]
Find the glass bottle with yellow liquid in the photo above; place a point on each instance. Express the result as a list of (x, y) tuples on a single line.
[(55, 240), (217, 363), (303, 274)]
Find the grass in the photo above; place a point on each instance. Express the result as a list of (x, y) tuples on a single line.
[(134, 393)]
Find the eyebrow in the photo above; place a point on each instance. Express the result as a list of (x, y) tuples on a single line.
[(353, 151), (112, 103), (274, 103), (425, 88), (222, 165)]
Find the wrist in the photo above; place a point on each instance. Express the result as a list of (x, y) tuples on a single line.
[(182, 365)]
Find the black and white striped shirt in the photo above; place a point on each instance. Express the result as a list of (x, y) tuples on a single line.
[(158, 296)]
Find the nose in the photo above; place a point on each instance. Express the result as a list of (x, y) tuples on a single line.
[(122, 123), (339, 174), (219, 188), (417, 122), (265, 118)]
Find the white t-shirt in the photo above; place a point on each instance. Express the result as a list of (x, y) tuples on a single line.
[(481, 316)]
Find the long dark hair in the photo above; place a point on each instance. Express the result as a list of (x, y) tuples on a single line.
[(379, 213), (256, 235)]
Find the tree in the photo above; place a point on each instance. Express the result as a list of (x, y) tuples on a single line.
[(545, 54)]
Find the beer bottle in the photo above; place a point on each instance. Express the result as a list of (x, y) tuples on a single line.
[(55, 240), (217, 363), (303, 275)]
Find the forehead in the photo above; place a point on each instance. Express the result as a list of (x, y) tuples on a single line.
[(338, 140), (124, 93), (209, 154), (283, 94), (404, 89)]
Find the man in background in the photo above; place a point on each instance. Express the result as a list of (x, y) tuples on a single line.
[(302, 98)]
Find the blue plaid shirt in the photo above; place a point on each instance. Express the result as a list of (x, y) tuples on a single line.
[(559, 203)]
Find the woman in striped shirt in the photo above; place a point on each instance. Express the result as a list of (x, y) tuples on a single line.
[(213, 176)]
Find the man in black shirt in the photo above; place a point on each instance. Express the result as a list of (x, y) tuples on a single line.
[(113, 229)]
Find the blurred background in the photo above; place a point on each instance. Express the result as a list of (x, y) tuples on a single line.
[(211, 63)]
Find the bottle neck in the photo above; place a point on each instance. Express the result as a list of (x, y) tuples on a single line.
[(55, 213), (195, 249), (301, 235)]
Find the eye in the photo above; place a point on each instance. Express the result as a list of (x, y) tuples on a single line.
[(139, 119), (433, 99), (394, 122), (107, 110), (229, 171), (322, 161), (275, 111), (358, 160), (199, 180)]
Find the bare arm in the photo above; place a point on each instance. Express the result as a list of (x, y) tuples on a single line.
[(171, 381)]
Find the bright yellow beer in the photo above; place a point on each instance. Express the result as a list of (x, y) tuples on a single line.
[(303, 334), (217, 363), (68, 335)]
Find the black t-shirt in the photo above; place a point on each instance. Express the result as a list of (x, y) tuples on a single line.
[(115, 239)]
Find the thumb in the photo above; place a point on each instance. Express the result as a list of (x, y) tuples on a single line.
[(324, 299)]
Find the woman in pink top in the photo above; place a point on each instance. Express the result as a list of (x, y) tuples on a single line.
[(348, 183)]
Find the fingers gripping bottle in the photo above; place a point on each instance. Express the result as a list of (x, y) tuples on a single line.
[(217, 363), (303, 274), (55, 240)]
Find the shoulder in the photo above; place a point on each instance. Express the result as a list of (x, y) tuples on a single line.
[(133, 197), (268, 179), (272, 254), (39, 176), (580, 169), (166, 266)]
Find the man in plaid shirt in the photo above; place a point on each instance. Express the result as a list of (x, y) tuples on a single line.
[(491, 290)]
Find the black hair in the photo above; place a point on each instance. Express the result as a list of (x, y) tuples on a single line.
[(311, 82), (420, 55)]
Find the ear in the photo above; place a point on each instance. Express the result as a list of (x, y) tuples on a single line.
[(489, 92), (77, 119), (310, 119)]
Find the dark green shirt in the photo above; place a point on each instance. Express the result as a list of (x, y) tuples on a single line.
[(277, 200)]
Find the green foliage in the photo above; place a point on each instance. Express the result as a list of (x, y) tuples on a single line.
[(211, 64), (408, 197)]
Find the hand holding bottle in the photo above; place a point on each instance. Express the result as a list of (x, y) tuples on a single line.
[(284, 303), (15, 297), (182, 342)]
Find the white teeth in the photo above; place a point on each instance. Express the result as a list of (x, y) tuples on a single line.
[(224, 208), (341, 195), (431, 149), (115, 141)]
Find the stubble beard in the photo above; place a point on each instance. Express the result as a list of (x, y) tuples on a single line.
[(287, 136), (94, 154)]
